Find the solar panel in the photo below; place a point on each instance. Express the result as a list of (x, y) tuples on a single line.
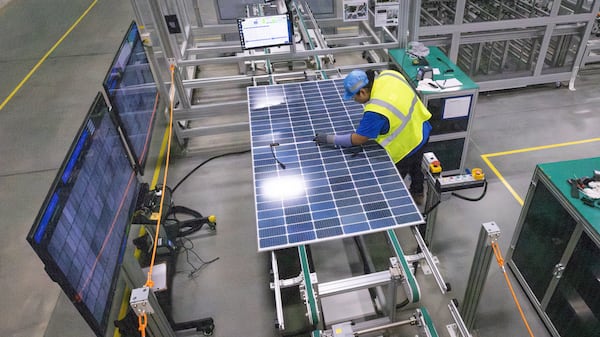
[(318, 193), (81, 230)]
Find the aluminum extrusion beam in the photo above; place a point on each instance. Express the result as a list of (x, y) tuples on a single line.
[(429, 258), (285, 56), (214, 129), (460, 324), (277, 290), (479, 270), (499, 25), (353, 283), (411, 287)]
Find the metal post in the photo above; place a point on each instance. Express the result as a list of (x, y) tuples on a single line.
[(479, 271), (171, 52), (277, 289), (444, 286), (395, 280), (403, 23), (414, 10), (433, 198), (459, 324)]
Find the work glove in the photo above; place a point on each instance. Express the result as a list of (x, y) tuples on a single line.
[(324, 138)]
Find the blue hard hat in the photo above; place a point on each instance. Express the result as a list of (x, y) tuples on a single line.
[(356, 80)]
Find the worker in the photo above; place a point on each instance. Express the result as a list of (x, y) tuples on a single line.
[(394, 117)]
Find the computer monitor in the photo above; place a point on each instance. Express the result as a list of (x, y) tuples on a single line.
[(266, 31), (81, 229), (133, 95)]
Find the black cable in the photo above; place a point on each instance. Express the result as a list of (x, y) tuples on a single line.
[(272, 145), (432, 207), (204, 162), (473, 199), (190, 225), (187, 251)]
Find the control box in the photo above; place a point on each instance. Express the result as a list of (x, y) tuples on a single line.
[(457, 182), (431, 163)]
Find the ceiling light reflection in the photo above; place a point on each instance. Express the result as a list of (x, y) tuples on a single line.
[(281, 188)]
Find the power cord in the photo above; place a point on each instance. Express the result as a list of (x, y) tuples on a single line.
[(194, 220), (473, 199), (202, 164), (434, 206)]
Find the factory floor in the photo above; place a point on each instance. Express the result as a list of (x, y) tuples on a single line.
[(53, 57)]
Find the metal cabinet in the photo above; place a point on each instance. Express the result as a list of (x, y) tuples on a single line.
[(452, 105), (555, 251)]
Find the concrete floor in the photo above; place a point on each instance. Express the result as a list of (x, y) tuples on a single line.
[(43, 104)]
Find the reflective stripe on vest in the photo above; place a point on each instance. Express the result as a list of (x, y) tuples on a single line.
[(384, 142), (393, 74), (404, 118), (390, 98)]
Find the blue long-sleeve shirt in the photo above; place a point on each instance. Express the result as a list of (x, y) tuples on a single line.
[(373, 124)]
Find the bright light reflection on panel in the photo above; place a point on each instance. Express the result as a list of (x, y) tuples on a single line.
[(281, 188), (268, 101)]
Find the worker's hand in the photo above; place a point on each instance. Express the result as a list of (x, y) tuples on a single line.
[(323, 138)]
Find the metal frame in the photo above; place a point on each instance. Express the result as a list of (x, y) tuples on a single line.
[(578, 231), (549, 45), (591, 55), (459, 324), (312, 291), (201, 45), (399, 273), (479, 270), (542, 26)]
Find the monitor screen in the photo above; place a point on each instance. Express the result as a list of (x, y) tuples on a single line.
[(133, 94), (81, 229), (266, 31)]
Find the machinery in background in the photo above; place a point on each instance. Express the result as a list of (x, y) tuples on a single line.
[(508, 44), (499, 44), (200, 48)]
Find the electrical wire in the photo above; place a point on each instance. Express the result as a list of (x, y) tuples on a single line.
[(202, 164), (272, 145), (473, 199), (187, 250), (194, 222), (434, 206)]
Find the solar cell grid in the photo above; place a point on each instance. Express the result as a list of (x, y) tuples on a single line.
[(324, 192)]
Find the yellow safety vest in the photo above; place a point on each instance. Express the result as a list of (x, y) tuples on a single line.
[(394, 98)]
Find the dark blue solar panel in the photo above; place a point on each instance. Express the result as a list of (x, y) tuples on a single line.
[(324, 192)]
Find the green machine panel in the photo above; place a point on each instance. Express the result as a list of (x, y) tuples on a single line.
[(555, 251), (450, 95)]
